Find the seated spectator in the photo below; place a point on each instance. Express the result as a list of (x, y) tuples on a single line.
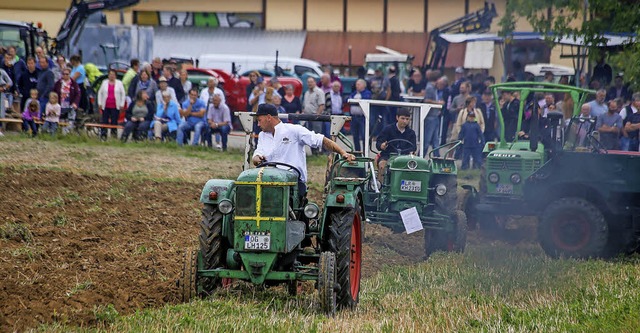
[(163, 85), (194, 111), (33, 96), (139, 116), (29, 117), (609, 126), (51, 114), (143, 81), (219, 120), (473, 142), (167, 118)]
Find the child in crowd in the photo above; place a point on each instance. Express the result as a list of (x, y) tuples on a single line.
[(29, 116), (473, 141), (33, 96), (52, 114)]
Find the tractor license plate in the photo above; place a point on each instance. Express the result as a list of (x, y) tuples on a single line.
[(257, 242), (410, 186), (504, 188)]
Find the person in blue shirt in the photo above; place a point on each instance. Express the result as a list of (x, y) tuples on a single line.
[(473, 141), (167, 118), (194, 111), (405, 139)]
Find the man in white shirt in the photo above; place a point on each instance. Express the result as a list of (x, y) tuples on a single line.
[(284, 143), (206, 94)]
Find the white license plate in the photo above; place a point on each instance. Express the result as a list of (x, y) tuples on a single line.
[(504, 188), (257, 242), (410, 186)]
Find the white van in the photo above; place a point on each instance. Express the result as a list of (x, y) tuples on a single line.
[(243, 63)]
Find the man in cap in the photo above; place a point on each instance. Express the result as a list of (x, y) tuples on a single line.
[(460, 77), (163, 86), (284, 143)]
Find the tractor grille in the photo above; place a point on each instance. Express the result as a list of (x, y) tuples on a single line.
[(504, 164), (531, 165)]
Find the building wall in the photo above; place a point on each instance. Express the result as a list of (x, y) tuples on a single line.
[(325, 15), (365, 15), (405, 16), (284, 15)]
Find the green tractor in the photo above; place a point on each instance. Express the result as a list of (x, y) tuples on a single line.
[(416, 190), (258, 229)]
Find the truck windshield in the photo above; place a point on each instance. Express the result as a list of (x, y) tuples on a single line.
[(10, 36)]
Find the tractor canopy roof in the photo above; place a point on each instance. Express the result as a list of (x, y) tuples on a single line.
[(269, 174)]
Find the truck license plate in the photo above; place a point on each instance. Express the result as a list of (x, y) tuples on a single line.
[(410, 186), (504, 188), (254, 241)]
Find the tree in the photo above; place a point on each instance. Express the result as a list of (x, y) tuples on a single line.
[(557, 18)]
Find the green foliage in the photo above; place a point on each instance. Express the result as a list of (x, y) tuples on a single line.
[(16, 231), (105, 313)]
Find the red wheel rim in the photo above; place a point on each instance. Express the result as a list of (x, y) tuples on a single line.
[(227, 282), (355, 262), (570, 232)]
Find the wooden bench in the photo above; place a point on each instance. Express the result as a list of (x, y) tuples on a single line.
[(19, 121), (94, 128)]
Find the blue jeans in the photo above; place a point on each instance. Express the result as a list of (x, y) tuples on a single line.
[(224, 135), (30, 124), (467, 153), (187, 127), (431, 134), (357, 130), (50, 127), (139, 129)]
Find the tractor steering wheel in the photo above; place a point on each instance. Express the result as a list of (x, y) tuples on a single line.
[(399, 151), (276, 164)]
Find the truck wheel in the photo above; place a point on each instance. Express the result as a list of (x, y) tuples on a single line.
[(212, 245), (345, 240), (573, 227), (187, 282), (446, 204), (326, 282)]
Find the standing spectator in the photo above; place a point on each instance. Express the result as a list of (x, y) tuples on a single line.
[(79, 75), (325, 83), (163, 86), (458, 102), (167, 118), (156, 69), (174, 82), (469, 107), (459, 78), (598, 106), (510, 108), (625, 114), (184, 80), (379, 91), (276, 85), (472, 140), (61, 63), (143, 82), (277, 102), (602, 73), (29, 117), (139, 116), (333, 105), (290, 102), (194, 112), (219, 120), (69, 96), (206, 94), (443, 93), (488, 110), (253, 81), (618, 90), (313, 103), (111, 100), (5, 86), (19, 64), (45, 83), (394, 93), (632, 124), (51, 113), (28, 81), (40, 54), (357, 115), (432, 121), (417, 86), (609, 126), (132, 72), (12, 72)]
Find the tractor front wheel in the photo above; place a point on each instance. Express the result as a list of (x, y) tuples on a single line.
[(327, 282), (212, 245), (188, 283), (573, 227), (440, 240), (345, 240)]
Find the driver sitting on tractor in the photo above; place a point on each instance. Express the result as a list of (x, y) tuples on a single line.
[(284, 143), (395, 138)]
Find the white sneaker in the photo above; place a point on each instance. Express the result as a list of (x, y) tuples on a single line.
[(218, 146), (1, 134)]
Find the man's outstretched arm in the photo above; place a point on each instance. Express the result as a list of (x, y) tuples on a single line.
[(332, 146)]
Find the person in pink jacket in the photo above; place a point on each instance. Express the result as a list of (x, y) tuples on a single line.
[(111, 101)]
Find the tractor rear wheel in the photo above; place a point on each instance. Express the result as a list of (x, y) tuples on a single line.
[(345, 240), (212, 245), (188, 284), (327, 282), (440, 240), (573, 227)]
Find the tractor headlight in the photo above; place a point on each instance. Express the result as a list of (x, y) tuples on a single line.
[(412, 164), (494, 177), (225, 206), (515, 178), (441, 189), (311, 211)]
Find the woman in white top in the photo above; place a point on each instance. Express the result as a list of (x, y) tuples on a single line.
[(111, 101)]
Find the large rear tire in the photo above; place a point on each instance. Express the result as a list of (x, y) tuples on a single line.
[(326, 283), (212, 245), (573, 227), (345, 240)]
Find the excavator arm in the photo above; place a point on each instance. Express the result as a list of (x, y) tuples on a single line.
[(76, 17)]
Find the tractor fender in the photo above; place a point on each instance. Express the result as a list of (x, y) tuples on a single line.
[(221, 186), (350, 198)]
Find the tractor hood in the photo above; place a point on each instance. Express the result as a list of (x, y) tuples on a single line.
[(268, 174), (408, 162)]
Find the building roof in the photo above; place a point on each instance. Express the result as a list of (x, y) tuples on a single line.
[(333, 47), (197, 41)]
